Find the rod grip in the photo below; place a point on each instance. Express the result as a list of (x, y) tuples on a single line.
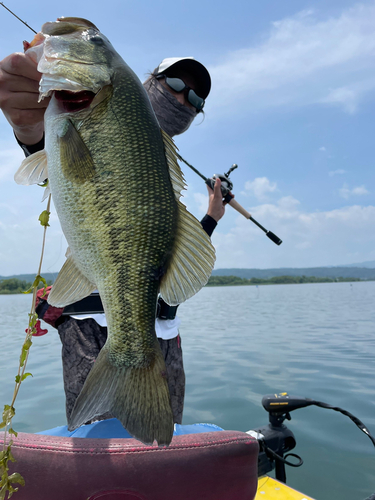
[(274, 238), (233, 203)]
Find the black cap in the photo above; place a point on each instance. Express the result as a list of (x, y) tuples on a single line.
[(191, 66)]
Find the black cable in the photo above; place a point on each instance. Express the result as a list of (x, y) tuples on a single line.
[(356, 420), (282, 459)]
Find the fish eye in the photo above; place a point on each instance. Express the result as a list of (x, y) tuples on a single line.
[(97, 40)]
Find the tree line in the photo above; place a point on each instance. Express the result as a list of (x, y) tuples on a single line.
[(276, 280), (14, 285)]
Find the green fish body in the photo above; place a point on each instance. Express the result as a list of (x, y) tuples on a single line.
[(116, 186)]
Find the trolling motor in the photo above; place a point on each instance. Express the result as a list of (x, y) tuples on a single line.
[(276, 440), (226, 188)]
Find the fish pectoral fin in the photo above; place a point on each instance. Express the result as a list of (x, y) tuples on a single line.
[(70, 285), (138, 397), (76, 160), (192, 260), (33, 169)]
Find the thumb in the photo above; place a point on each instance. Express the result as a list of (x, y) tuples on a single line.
[(217, 188)]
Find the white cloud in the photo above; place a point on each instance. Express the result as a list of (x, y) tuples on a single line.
[(346, 97), (349, 97), (259, 187), (360, 190), (339, 171), (346, 192), (288, 203), (303, 60), (322, 148), (309, 239)]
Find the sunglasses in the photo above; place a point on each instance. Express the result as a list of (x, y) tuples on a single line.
[(179, 85)]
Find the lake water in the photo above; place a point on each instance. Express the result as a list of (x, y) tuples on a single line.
[(241, 343)]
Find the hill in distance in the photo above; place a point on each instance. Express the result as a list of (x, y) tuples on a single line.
[(318, 272), (369, 264), (30, 277), (364, 271)]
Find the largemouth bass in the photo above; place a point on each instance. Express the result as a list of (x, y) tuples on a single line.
[(116, 186)]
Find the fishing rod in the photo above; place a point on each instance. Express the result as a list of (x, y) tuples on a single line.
[(23, 22), (226, 188)]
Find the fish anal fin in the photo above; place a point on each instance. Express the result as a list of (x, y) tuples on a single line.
[(137, 396), (192, 260), (70, 285), (33, 169), (76, 160)]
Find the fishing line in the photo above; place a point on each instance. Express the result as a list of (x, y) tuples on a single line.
[(13, 14)]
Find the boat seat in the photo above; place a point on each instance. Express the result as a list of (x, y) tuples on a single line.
[(206, 466)]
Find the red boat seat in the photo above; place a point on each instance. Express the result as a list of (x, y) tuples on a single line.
[(207, 466)]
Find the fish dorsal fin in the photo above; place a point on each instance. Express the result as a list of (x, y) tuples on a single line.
[(70, 285), (191, 263), (33, 169), (176, 175), (193, 256)]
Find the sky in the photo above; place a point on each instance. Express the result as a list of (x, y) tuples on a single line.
[(292, 103)]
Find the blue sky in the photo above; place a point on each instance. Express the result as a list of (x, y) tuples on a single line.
[(292, 103)]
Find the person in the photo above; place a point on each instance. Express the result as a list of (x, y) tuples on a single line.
[(177, 90)]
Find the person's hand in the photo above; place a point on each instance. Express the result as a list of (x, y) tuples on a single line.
[(216, 205), (19, 84)]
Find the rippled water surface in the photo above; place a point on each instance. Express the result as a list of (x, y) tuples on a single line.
[(240, 343)]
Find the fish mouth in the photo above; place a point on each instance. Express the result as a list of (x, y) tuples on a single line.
[(74, 101)]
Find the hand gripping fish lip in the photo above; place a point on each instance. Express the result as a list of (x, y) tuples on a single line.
[(50, 49)]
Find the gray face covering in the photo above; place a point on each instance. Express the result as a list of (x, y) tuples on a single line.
[(174, 118)]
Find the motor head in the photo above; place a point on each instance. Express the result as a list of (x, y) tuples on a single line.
[(283, 403)]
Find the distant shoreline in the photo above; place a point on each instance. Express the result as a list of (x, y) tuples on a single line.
[(14, 286), (277, 280)]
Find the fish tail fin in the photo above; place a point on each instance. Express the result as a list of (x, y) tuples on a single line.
[(138, 397)]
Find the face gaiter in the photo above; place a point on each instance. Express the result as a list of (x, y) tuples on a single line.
[(174, 118)]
